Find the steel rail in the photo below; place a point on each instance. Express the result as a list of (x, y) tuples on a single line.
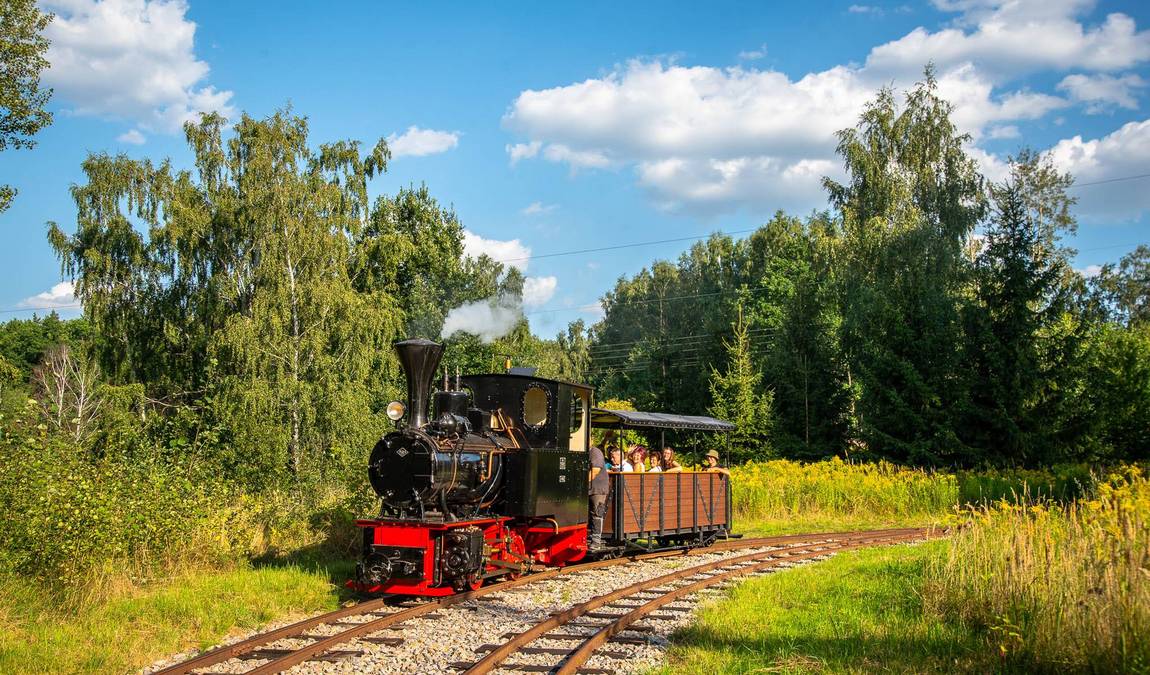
[(494, 658), (238, 649)]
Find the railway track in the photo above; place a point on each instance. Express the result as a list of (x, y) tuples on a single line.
[(659, 593), (324, 635)]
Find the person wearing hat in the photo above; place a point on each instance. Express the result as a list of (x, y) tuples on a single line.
[(712, 461)]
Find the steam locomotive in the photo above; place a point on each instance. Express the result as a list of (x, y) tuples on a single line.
[(494, 483)]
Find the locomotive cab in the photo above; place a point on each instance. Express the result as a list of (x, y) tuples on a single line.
[(546, 479)]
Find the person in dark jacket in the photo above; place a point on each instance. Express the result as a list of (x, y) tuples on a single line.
[(597, 487)]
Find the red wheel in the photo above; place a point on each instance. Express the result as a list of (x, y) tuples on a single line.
[(518, 553), (475, 585)]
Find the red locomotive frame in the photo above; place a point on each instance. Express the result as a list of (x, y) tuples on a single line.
[(511, 548)]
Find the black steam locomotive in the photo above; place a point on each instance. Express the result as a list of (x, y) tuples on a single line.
[(493, 483)]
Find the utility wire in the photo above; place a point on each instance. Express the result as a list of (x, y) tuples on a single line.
[(621, 246), (1110, 180)]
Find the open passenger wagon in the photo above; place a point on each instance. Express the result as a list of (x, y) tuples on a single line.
[(655, 510)]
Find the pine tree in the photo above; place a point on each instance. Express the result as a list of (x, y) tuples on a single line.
[(737, 397), (1023, 343)]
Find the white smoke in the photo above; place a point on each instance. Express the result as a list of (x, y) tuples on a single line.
[(488, 319)]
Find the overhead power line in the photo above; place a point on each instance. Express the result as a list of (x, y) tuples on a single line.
[(1111, 180), (621, 246), (39, 309)]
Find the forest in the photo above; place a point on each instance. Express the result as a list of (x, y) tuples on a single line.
[(238, 317)]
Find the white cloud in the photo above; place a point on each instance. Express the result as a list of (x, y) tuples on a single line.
[(1100, 92), (60, 296), (720, 139), (993, 168), (538, 209), (1090, 271), (513, 252), (130, 59), (1003, 131), (1015, 37), (416, 142), (714, 139), (132, 136), (577, 159), (1120, 154), (865, 9), (754, 54), (538, 290), (523, 151)]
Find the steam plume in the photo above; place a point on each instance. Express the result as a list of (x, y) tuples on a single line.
[(489, 319)]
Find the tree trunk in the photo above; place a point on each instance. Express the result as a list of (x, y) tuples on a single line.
[(294, 403)]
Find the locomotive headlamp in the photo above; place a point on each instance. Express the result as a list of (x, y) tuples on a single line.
[(395, 410)]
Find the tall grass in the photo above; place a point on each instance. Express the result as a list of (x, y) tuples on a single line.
[(1057, 586), (782, 489)]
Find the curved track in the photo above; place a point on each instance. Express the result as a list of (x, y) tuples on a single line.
[(380, 616), (666, 590)]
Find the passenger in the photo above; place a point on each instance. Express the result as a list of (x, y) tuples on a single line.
[(610, 454), (615, 461), (656, 463), (670, 464), (597, 487), (636, 456), (712, 464)]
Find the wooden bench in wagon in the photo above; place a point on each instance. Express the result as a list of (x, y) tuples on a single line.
[(652, 510)]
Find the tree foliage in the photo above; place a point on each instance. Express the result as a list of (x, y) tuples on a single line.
[(1024, 339), (738, 396), (22, 99), (1123, 290), (264, 288)]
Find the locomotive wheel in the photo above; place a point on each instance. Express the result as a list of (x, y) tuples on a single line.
[(475, 585), (518, 551)]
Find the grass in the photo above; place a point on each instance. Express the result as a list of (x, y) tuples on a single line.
[(139, 626), (857, 612), (1057, 587)]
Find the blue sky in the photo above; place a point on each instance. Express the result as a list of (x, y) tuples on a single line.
[(552, 128)]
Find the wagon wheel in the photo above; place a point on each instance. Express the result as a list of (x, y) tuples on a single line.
[(518, 553)]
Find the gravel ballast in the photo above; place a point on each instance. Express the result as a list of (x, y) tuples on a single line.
[(432, 645)]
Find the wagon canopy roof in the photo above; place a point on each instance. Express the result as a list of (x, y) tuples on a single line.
[(633, 419)]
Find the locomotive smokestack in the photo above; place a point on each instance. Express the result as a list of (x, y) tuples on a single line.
[(420, 359)]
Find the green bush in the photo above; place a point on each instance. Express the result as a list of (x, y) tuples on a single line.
[(75, 519), (1063, 483)]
